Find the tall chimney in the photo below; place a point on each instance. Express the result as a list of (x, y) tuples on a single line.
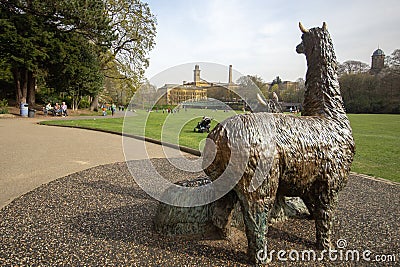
[(196, 75), (230, 75)]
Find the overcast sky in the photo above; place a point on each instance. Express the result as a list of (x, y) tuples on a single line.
[(258, 37)]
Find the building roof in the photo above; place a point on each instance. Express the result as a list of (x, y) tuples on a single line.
[(378, 52)]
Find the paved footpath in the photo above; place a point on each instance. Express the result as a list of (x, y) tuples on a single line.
[(32, 154)]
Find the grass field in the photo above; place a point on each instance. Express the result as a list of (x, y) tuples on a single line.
[(377, 136)]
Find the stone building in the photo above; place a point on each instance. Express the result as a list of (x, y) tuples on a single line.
[(173, 94), (378, 61), (198, 90)]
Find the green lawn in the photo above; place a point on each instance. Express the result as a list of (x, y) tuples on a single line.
[(377, 136)]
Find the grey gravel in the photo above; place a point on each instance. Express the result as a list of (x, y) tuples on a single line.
[(101, 217)]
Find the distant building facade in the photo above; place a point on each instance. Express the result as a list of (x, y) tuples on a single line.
[(198, 90), (173, 94)]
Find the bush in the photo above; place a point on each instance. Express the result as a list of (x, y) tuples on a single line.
[(84, 103), (4, 106), (47, 95)]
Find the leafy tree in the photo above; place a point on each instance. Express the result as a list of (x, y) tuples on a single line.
[(6, 79), (30, 29), (274, 89), (20, 44), (290, 94), (134, 27), (365, 93), (77, 72), (277, 80), (117, 88)]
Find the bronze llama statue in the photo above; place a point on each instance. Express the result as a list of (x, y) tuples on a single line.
[(286, 155)]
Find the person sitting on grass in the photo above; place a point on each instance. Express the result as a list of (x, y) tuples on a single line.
[(64, 109)]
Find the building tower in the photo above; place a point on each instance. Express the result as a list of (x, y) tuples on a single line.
[(230, 75), (378, 61), (196, 75)]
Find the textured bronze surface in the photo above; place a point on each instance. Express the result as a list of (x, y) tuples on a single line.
[(308, 156)]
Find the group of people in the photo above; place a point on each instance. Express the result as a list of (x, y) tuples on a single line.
[(111, 107), (57, 109)]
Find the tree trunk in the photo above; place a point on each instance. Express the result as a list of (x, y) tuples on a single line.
[(95, 103), (21, 84), (24, 80), (31, 88), (17, 83)]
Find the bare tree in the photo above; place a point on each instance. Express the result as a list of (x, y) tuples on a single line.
[(352, 67)]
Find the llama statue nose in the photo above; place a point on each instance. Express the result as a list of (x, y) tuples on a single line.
[(300, 49)]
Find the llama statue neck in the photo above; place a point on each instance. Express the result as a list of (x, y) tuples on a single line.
[(322, 95)]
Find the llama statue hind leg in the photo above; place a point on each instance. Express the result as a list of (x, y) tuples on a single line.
[(325, 205), (256, 209), (255, 215)]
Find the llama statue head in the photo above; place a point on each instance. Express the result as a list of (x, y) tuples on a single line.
[(322, 96)]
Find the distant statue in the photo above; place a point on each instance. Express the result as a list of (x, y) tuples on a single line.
[(270, 105), (308, 156)]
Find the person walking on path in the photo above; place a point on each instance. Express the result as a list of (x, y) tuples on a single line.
[(113, 107)]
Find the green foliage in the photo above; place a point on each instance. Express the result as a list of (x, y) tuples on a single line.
[(4, 106), (47, 95), (84, 103), (77, 69), (5, 71), (117, 88), (365, 93), (73, 40), (277, 80), (123, 65), (31, 31), (135, 28)]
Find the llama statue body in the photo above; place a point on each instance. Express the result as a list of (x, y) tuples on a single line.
[(286, 155)]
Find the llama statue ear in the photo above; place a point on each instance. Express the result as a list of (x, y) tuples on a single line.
[(324, 26), (302, 29)]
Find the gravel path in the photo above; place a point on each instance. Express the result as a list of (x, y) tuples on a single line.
[(100, 217)]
